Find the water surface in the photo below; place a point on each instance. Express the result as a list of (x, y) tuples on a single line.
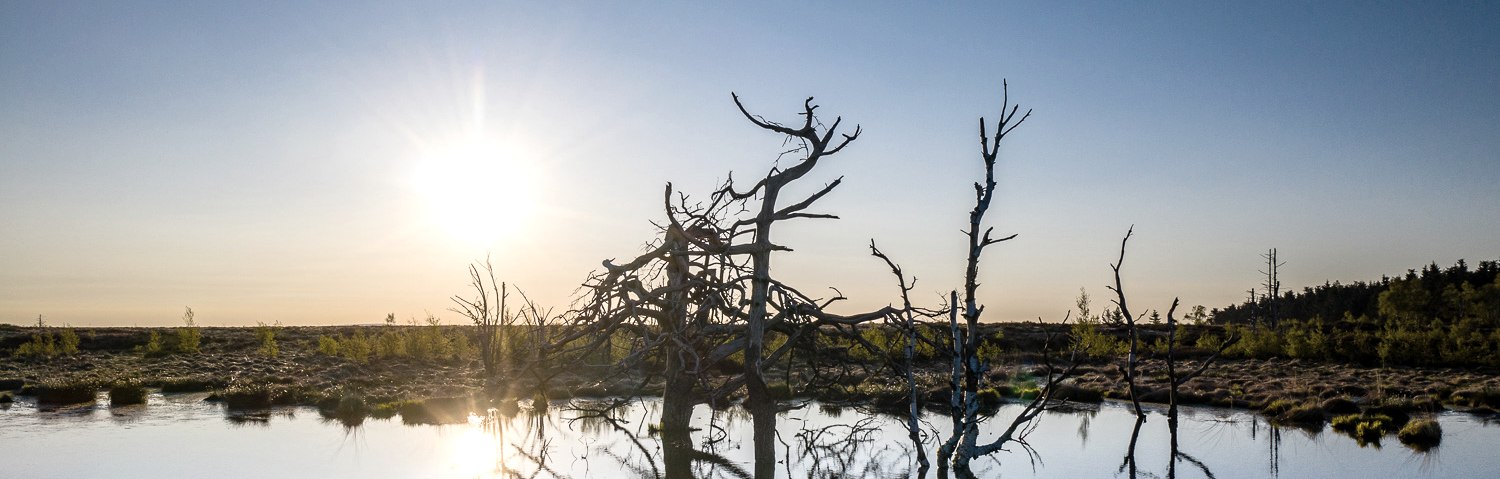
[(180, 435)]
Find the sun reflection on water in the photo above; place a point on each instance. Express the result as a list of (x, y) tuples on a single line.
[(478, 451)]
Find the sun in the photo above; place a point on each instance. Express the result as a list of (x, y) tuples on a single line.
[(475, 189)]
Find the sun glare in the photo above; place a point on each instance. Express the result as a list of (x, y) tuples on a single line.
[(476, 190)]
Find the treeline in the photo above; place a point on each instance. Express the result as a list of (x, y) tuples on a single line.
[(1432, 317)]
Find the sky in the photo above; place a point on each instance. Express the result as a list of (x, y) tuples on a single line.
[(322, 164)]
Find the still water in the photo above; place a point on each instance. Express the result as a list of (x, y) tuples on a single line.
[(180, 435)]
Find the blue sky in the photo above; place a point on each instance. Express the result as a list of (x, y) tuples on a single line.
[(257, 161)]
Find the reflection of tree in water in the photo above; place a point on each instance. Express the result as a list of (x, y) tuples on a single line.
[(604, 418), (1085, 420), (1129, 467), (843, 450), (619, 436)]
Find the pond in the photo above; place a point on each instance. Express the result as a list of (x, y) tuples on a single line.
[(181, 435)]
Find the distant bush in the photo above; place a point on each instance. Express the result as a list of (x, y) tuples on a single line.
[(1255, 342), (1305, 340), (189, 335), (431, 341), (1088, 334), (265, 334), (989, 347), (67, 342), (355, 348), (1435, 317), (153, 347), (328, 346), (45, 344)]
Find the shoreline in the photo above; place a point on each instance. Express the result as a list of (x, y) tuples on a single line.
[(229, 363)]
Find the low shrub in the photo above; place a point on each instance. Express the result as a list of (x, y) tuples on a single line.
[(153, 347), (189, 335), (328, 346), (355, 348), (44, 344), (265, 334)]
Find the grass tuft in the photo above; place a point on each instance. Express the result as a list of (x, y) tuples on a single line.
[(1303, 414), (1365, 428), (1340, 406), (350, 410), (57, 393), (127, 393), (187, 385), (1278, 407), (1070, 392), (988, 398), (1476, 398), (1421, 433), (254, 396)]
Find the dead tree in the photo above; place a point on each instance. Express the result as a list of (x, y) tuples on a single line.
[(907, 322), (967, 368), (1175, 380), (1132, 359), (488, 313), (1130, 370), (1272, 286), (704, 291)]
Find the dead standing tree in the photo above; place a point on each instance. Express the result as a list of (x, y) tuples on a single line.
[(704, 292), (488, 313), (906, 322), (968, 370), (1130, 369), (1272, 287)]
